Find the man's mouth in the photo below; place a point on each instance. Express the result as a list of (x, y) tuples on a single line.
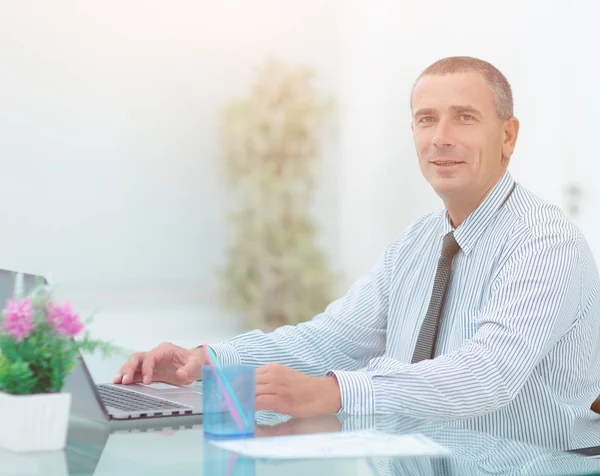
[(444, 163)]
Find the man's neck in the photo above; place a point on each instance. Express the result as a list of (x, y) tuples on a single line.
[(458, 213), (459, 210)]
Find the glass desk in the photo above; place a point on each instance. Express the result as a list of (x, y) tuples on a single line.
[(174, 446)]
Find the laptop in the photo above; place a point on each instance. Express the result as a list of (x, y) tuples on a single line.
[(108, 402)]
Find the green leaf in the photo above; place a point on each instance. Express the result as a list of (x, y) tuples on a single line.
[(16, 377)]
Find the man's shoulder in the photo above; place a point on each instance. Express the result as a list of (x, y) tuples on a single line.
[(537, 226), (536, 217)]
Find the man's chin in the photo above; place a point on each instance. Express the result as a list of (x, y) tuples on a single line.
[(448, 186)]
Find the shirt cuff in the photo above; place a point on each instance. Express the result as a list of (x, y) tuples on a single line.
[(226, 354), (356, 390)]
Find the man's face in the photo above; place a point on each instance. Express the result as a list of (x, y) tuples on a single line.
[(460, 139)]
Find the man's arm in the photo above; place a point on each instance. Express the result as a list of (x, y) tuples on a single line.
[(533, 302), (350, 332)]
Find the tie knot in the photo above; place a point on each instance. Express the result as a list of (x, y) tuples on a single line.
[(450, 246)]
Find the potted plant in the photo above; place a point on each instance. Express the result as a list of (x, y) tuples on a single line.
[(40, 341)]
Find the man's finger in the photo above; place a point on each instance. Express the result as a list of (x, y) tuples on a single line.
[(190, 372), (182, 376), (148, 367), (129, 367), (132, 377), (265, 389), (261, 378), (138, 378)]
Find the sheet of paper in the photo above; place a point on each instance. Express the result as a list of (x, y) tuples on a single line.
[(334, 445)]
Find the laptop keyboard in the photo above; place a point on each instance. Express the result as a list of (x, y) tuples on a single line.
[(129, 401)]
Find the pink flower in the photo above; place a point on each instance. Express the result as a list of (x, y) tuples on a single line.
[(64, 319), (18, 321)]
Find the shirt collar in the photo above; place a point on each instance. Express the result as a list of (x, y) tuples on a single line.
[(475, 224)]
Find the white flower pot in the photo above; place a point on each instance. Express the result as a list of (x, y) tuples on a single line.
[(34, 422)]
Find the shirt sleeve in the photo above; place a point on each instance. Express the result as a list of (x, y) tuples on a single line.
[(534, 301), (347, 335)]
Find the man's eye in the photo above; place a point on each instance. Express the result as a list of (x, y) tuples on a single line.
[(425, 120), (466, 117)]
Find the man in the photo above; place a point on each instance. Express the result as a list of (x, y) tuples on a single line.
[(488, 310)]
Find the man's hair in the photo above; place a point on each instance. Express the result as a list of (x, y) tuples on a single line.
[(497, 82)]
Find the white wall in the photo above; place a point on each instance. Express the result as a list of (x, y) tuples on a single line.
[(108, 134)]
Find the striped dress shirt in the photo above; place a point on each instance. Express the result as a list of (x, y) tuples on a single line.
[(518, 349)]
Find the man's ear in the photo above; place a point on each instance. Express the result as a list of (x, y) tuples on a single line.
[(509, 140)]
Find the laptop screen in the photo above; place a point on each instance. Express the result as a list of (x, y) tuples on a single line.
[(7, 284)]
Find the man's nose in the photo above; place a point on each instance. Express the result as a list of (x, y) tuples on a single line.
[(443, 135)]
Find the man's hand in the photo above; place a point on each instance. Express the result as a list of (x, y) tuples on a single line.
[(283, 390), (165, 363), (596, 405)]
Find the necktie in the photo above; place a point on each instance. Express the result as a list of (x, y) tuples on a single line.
[(425, 348)]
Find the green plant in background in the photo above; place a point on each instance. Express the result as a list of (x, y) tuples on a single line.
[(276, 273)]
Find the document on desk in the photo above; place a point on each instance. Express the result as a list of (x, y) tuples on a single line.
[(334, 445)]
